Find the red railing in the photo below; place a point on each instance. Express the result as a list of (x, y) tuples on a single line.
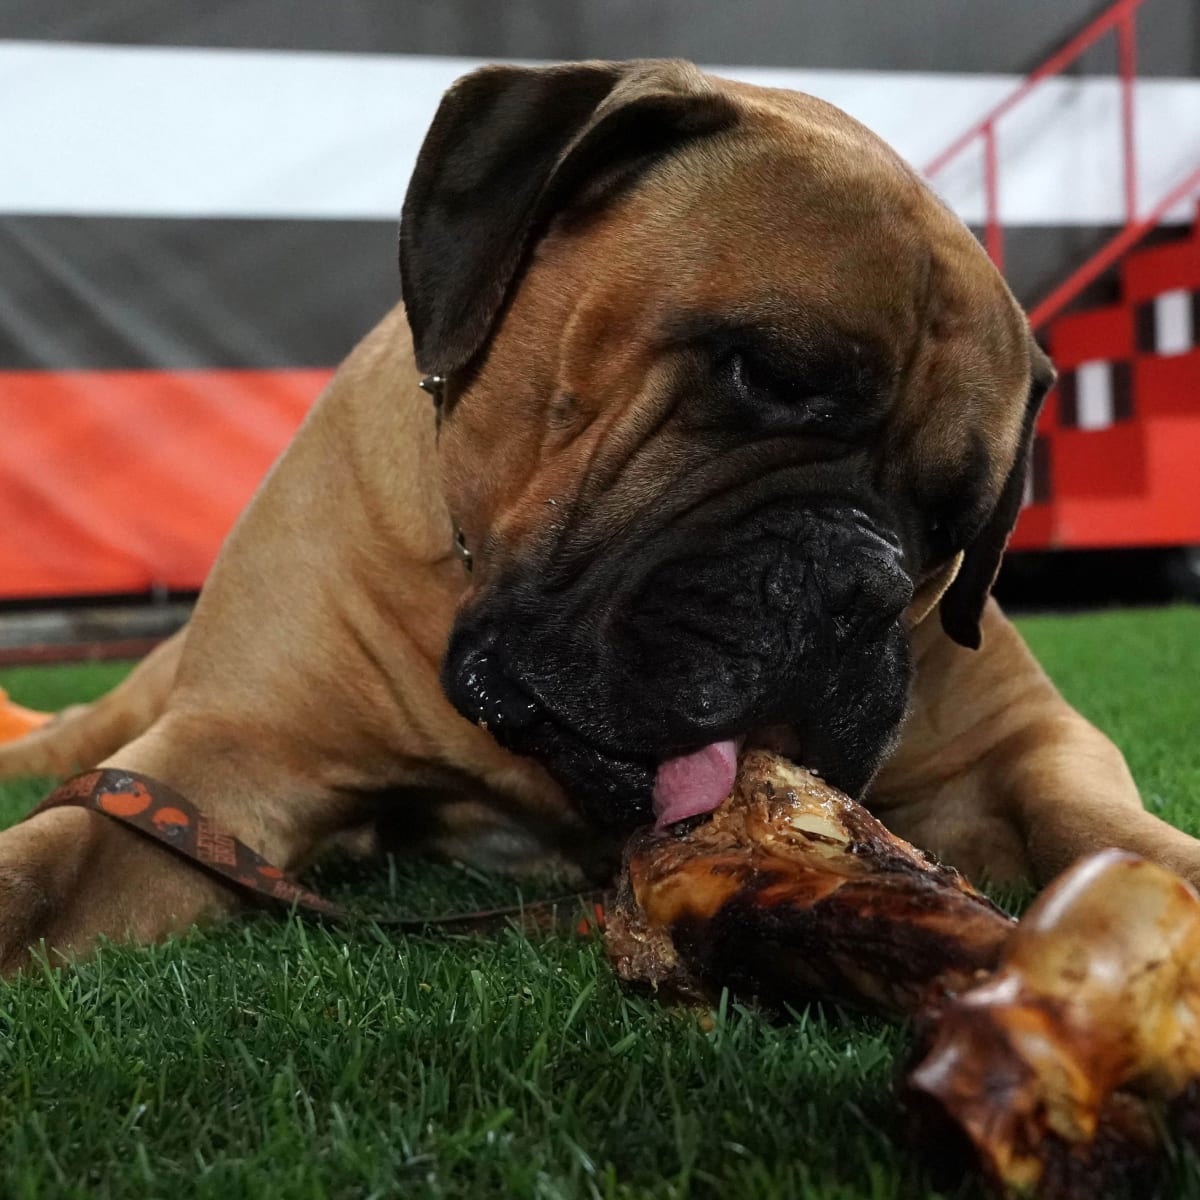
[(1120, 17)]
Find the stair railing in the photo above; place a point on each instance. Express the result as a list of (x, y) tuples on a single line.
[(1120, 17)]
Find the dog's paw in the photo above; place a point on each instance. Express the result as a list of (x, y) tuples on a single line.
[(35, 857), (48, 752), (26, 907), (70, 876)]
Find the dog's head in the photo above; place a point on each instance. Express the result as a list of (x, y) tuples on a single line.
[(730, 394)]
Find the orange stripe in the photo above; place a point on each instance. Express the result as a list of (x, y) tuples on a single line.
[(119, 481)]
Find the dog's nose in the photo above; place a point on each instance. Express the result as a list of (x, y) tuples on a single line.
[(868, 589), (868, 598)]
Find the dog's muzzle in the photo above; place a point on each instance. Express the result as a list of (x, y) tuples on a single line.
[(636, 685)]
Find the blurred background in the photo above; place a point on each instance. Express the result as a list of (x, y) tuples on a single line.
[(198, 206)]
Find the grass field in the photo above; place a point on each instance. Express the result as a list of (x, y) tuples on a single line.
[(275, 1059)]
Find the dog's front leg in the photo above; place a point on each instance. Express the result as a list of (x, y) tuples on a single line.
[(1070, 793), (69, 876), (999, 776)]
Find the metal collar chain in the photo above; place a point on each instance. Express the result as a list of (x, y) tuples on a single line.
[(435, 387), (460, 546)]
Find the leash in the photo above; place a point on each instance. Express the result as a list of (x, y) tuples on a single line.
[(160, 813)]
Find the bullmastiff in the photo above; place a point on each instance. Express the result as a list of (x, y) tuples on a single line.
[(734, 422)]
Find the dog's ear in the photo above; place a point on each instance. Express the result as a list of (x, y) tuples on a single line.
[(508, 149), (963, 603)]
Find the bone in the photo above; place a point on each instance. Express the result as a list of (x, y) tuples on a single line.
[(1095, 1010), (791, 891), (1044, 1045)]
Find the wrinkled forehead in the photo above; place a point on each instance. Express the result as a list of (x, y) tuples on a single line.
[(775, 234), (798, 216), (801, 221)]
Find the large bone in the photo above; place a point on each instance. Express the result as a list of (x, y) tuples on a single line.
[(791, 891), (1097, 1001), (1041, 1042)]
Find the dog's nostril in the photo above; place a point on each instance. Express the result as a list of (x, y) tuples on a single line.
[(493, 698), (852, 596)]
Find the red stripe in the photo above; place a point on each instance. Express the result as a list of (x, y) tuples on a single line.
[(120, 481)]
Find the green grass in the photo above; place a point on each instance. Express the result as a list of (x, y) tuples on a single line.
[(274, 1058)]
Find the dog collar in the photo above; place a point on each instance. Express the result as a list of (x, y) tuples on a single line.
[(435, 387)]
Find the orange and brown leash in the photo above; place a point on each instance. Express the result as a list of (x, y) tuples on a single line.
[(159, 812)]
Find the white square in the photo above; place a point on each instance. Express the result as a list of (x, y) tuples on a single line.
[(1093, 395), (1173, 333)]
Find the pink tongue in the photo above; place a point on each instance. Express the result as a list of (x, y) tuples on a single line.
[(694, 783)]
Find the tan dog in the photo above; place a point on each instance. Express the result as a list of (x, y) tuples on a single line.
[(731, 397)]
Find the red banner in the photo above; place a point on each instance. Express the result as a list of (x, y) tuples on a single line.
[(122, 481)]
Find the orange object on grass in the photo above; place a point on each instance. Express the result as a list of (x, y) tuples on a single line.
[(16, 721)]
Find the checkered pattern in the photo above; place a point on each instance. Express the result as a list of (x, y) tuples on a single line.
[(1095, 395), (1113, 458), (1169, 323)]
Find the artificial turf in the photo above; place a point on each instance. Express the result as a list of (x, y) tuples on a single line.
[(275, 1058)]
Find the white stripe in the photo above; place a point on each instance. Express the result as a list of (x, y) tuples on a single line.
[(152, 131), (1093, 395), (1173, 322)]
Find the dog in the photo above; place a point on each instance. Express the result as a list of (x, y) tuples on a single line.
[(734, 420)]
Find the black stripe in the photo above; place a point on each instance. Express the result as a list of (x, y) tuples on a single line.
[(95, 292), (1068, 400), (1122, 391), (105, 293), (1043, 483), (1145, 337), (919, 35)]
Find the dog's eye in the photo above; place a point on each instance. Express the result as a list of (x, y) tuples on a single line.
[(780, 398), (758, 382), (818, 394)]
